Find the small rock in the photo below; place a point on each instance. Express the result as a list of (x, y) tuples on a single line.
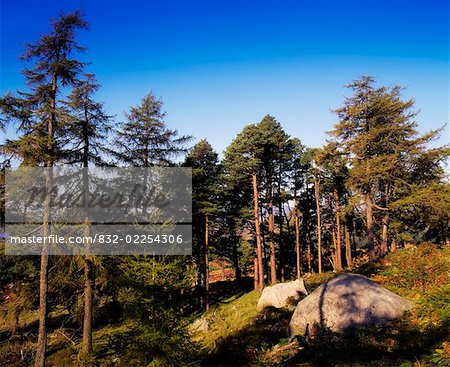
[(282, 295)]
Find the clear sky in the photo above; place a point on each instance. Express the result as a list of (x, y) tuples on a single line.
[(221, 64)]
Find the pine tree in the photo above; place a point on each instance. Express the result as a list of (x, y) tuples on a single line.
[(144, 139), (298, 183), (242, 164), (87, 128), (378, 133), (38, 114), (334, 173), (275, 155), (205, 191)]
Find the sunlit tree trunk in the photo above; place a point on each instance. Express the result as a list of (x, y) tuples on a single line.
[(370, 227), (273, 269), (384, 234), (348, 246), (394, 245), (308, 247), (319, 226), (255, 272), (338, 264), (297, 239), (259, 256), (88, 264), (206, 261), (46, 222)]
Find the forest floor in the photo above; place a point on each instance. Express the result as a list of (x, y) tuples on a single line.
[(234, 333), (238, 335)]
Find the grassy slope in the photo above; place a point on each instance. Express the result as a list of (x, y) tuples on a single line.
[(238, 335)]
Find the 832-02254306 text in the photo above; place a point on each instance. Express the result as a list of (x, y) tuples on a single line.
[(100, 239)]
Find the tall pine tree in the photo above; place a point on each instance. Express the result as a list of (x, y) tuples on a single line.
[(38, 112)]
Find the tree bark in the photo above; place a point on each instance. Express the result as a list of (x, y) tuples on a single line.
[(88, 305), (334, 255), (273, 269), (46, 222), (297, 239), (319, 227), (280, 244), (353, 237), (338, 264), (43, 288), (206, 259), (394, 245), (348, 246), (308, 247), (370, 227), (255, 272), (258, 233), (237, 268), (88, 264), (384, 235)]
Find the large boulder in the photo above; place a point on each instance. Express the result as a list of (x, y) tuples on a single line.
[(347, 300), (282, 295)]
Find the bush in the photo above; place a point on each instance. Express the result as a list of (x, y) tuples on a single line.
[(420, 269)]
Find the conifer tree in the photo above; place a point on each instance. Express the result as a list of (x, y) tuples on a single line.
[(38, 113), (242, 164), (378, 133), (275, 153), (144, 140), (87, 129), (205, 191), (334, 173)]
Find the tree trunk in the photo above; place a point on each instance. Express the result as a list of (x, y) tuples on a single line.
[(308, 247), (206, 259), (15, 321), (334, 255), (46, 222), (88, 305), (348, 246), (297, 239), (43, 276), (255, 272), (43, 288), (237, 268), (285, 253), (89, 277), (338, 264), (319, 228), (384, 235), (264, 248), (394, 245), (370, 227), (273, 269), (258, 233), (280, 244), (353, 238), (199, 258)]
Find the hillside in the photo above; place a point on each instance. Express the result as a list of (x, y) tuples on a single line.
[(237, 334)]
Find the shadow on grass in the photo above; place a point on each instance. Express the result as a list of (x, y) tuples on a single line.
[(385, 345), (19, 350), (241, 348), (223, 291)]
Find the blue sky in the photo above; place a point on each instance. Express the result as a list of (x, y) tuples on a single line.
[(219, 65)]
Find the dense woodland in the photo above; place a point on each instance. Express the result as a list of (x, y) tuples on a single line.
[(272, 209)]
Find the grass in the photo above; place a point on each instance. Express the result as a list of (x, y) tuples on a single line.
[(239, 335), (227, 318), (234, 333)]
